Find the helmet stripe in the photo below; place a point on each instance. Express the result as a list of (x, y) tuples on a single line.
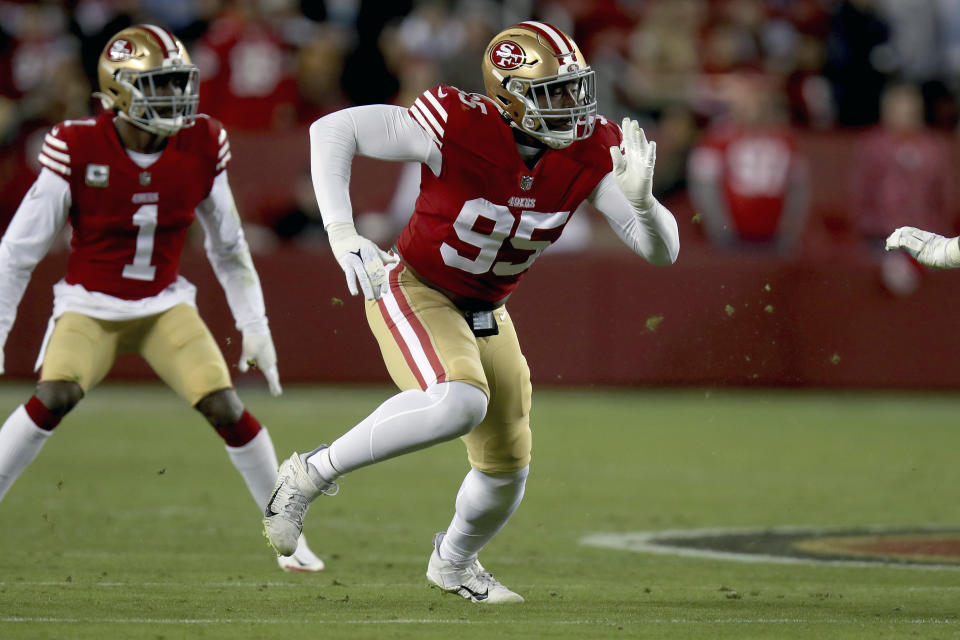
[(162, 36), (561, 45)]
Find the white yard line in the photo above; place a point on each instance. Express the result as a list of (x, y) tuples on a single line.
[(180, 585), (499, 621)]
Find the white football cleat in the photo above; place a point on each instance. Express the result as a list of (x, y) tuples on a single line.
[(472, 582), (302, 560), (296, 488)]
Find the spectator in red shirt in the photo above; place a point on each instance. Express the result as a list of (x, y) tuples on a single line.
[(747, 178)]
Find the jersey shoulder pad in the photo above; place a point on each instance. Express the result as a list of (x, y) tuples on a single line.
[(607, 133), (595, 150), (61, 141), (208, 138), (444, 109)]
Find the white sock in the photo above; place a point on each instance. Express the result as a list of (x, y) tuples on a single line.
[(20, 442), (409, 421), (324, 465), (484, 504), (257, 463)]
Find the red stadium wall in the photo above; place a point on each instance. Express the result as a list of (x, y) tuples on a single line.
[(818, 319)]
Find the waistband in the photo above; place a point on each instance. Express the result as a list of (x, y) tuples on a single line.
[(463, 303)]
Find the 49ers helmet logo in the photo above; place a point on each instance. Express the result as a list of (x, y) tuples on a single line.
[(120, 50), (507, 54)]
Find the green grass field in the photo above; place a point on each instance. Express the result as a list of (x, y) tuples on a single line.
[(133, 524)]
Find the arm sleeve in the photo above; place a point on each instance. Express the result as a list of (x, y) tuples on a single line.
[(380, 131), (652, 234), (34, 226), (229, 256)]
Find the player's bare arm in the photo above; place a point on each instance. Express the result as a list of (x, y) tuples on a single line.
[(930, 249)]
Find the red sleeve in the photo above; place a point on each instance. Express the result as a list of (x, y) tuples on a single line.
[(219, 143), (207, 139), (55, 152), (445, 109), (431, 111), (607, 134)]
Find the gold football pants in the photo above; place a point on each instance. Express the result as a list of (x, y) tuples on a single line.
[(176, 344), (425, 339)]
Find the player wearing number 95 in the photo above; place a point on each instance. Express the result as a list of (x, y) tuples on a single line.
[(501, 175), (130, 182)]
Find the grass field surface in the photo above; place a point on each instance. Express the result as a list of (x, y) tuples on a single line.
[(133, 524)]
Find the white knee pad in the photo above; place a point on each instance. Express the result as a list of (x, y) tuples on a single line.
[(458, 408), (409, 421)]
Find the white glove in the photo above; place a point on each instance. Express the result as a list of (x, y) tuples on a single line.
[(361, 260), (633, 164), (928, 248), (258, 351)]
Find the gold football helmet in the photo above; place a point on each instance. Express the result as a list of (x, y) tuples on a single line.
[(539, 80), (146, 76)]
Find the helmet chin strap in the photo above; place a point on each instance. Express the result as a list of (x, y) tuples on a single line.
[(549, 139), (158, 130), (556, 143), (537, 138)]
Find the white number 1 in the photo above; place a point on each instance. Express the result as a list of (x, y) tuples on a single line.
[(146, 219)]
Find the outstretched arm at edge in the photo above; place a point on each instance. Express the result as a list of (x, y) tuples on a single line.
[(928, 248)]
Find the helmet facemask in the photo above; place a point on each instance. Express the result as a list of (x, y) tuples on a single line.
[(559, 109), (163, 100)]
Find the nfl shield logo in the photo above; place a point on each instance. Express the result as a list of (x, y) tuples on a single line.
[(526, 182), (145, 178)]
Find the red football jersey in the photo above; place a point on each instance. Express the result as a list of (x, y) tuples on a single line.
[(129, 224), (754, 170), (479, 225)]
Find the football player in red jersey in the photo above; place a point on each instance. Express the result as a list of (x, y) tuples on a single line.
[(501, 175), (131, 182)]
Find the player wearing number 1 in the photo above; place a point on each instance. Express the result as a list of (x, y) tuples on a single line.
[(130, 182), (501, 175)]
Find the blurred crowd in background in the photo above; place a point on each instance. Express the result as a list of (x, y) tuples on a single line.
[(723, 86)]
